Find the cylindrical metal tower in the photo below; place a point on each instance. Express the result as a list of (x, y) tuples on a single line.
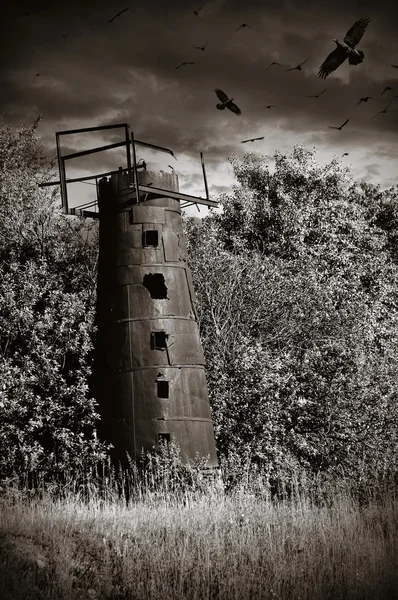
[(150, 375)]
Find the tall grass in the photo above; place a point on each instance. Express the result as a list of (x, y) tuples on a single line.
[(198, 544)]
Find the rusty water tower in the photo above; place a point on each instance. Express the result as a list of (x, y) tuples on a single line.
[(149, 366)]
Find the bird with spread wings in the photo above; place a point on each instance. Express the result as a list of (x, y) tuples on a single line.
[(346, 49), (272, 65), (387, 89), (226, 102), (252, 140), (184, 63), (118, 15), (243, 26), (317, 95), (340, 127), (298, 68), (385, 109), (364, 99), (203, 48)]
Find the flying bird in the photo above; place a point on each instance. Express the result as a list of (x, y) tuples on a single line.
[(226, 102), (30, 13), (345, 49), (341, 126), (172, 168), (271, 106), (252, 140), (184, 63), (203, 48), (244, 25), (272, 64), (298, 68), (385, 109), (196, 12), (345, 154), (394, 66), (118, 15), (387, 89), (364, 99), (39, 75), (317, 95)]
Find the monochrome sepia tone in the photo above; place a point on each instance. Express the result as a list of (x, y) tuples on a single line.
[(198, 300)]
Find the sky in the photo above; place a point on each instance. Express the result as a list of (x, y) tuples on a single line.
[(64, 60)]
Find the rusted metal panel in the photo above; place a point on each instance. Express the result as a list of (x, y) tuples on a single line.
[(183, 382), (170, 245), (167, 203), (118, 351), (173, 220), (194, 437), (135, 256), (186, 349), (132, 238), (182, 345), (192, 295), (182, 247), (144, 305), (148, 214), (119, 306)]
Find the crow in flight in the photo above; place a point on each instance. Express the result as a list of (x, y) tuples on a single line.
[(252, 140), (117, 15), (38, 75), (387, 89), (244, 25), (226, 102), (385, 109), (364, 99), (203, 48), (345, 49), (345, 154), (272, 64), (394, 66), (298, 68), (184, 63), (317, 95), (30, 13), (271, 106), (341, 126), (196, 12)]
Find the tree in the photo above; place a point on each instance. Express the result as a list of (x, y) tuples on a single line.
[(297, 283), (47, 288)]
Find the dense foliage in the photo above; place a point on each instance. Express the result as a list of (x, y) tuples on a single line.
[(47, 288), (297, 285)]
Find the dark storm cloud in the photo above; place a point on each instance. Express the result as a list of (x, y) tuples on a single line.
[(125, 71)]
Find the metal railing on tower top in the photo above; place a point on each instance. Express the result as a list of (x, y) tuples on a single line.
[(139, 192)]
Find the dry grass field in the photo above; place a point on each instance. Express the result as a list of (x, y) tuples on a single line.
[(210, 546)]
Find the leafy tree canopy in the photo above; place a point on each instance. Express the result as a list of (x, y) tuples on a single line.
[(47, 289), (297, 285)]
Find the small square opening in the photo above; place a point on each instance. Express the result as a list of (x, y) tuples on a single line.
[(162, 388), (159, 340), (164, 438), (150, 237)]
